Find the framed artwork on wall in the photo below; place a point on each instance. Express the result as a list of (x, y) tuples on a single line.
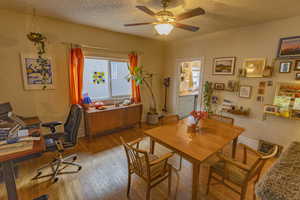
[(297, 65), (285, 67), (289, 47), (272, 109), (224, 66), (297, 76), (254, 67), (219, 86), (34, 77), (245, 91)]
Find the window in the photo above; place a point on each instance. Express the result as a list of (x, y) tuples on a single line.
[(105, 79)]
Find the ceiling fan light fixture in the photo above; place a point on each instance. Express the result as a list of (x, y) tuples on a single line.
[(164, 28)]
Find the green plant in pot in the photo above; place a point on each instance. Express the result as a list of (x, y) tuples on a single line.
[(143, 78), (39, 40), (207, 95)]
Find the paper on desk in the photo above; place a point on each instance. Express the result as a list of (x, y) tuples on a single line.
[(23, 133)]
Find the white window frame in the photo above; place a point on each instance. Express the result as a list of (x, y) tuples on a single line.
[(109, 59)]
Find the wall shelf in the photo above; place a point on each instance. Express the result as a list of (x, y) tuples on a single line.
[(237, 112)]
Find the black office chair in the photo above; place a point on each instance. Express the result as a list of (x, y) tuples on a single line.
[(57, 142)]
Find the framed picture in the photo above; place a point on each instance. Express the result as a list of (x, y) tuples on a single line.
[(32, 76), (297, 76), (219, 86), (289, 47), (285, 67), (254, 67), (296, 114), (297, 65), (245, 91), (224, 66), (271, 109), (232, 85), (266, 148)]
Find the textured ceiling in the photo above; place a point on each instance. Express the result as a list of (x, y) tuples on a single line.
[(112, 14)]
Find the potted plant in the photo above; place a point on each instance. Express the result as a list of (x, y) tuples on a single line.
[(207, 96), (141, 77)]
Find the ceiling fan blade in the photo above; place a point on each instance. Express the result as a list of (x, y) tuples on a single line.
[(191, 13), (146, 10), (187, 27), (138, 24)]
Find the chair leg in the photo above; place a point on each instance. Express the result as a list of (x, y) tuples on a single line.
[(169, 181), (129, 184), (148, 192), (208, 182), (243, 193)]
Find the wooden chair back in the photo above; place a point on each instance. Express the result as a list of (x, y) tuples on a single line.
[(258, 165), (222, 118), (169, 119), (137, 160)]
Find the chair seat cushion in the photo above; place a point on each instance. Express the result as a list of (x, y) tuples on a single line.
[(232, 172)]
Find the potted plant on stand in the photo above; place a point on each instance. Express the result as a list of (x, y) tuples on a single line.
[(144, 78)]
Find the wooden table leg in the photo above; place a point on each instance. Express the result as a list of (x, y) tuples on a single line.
[(196, 174), (152, 145), (234, 144), (9, 179)]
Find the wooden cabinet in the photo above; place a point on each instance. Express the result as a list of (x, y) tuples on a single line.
[(110, 119)]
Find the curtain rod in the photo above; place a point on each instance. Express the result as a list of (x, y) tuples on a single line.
[(101, 48)]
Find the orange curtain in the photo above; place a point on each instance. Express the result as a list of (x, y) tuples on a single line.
[(76, 75), (136, 94)]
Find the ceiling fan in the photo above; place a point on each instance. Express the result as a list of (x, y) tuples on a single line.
[(166, 20)]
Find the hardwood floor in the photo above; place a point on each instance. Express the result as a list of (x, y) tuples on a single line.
[(104, 175)]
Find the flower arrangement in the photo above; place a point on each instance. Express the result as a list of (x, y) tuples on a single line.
[(198, 115)]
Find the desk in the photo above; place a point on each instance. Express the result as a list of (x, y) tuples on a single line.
[(7, 163), (195, 147)]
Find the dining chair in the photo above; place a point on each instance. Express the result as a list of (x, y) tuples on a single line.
[(152, 169), (237, 173), (222, 118)]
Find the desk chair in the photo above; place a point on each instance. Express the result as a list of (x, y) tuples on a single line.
[(59, 141), (149, 167), (237, 173)]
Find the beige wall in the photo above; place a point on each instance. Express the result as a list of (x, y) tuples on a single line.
[(54, 104), (250, 42)]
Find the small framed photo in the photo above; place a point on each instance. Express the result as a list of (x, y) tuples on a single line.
[(297, 65), (297, 76), (296, 114), (231, 85), (285, 67), (245, 91), (219, 86), (260, 99), (272, 109), (224, 66)]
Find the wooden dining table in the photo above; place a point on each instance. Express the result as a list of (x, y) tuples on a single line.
[(195, 146)]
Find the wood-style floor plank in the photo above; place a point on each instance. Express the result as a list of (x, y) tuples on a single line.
[(104, 175)]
